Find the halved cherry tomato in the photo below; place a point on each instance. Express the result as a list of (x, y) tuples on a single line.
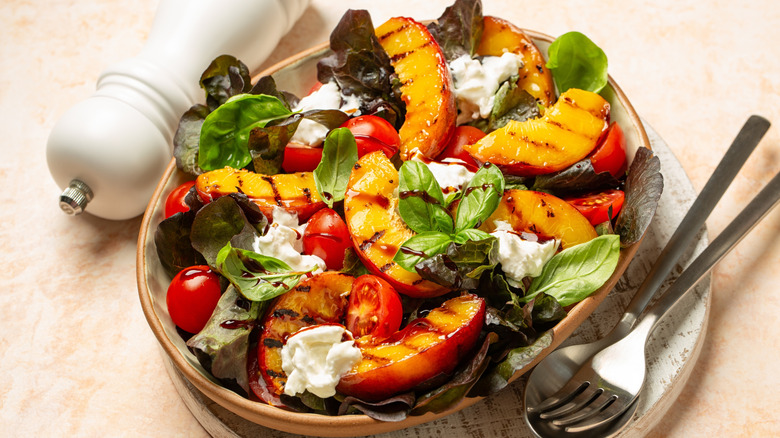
[(373, 133), (192, 297), (610, 155), (326, 236), (596, 206), (463, 135), (317, 85), (174, 203), (301, 158), (374, 308)]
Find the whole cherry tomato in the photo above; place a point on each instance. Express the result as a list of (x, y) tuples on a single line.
[(596, 206), (326, 236), (610, 155), (373, 133), (374, 308), (174, 203), (464, 135), (192, 297), (301, 158)]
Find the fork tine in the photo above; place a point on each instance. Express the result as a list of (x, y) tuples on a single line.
[(587, 412), (583, 400), (564, 395), (614, 410)]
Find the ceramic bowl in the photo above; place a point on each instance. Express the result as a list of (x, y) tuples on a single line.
[(297, 74)]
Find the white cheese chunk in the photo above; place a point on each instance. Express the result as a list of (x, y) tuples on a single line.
[(315, 358), (476, 82), (284, 241), (519, 257), (327, 97)]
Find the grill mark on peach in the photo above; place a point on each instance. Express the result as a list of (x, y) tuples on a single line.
[(278, 313), (272, 343), (307, 194), (303, 288), (275, 374), (387, 35), (400, 56), (599, 114), (386, 266), (372, 240), (381, 360), (277, 197)]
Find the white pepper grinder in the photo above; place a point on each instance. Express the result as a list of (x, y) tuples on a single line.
[(109, 151)]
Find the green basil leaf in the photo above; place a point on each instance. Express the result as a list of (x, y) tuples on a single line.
[(421, 203), (420, 247), (511, 103), (464, 236), (339, 155), (266, 145), (222, 348), (257, 277), (576, 272), (480, 197), (224, 78), (577, 62), (224, 135), (186, 141)]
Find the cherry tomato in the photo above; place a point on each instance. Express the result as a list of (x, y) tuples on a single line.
[(374, 308), (301, 158), (463, 135), (373, 133), (596, 206), (317, 85), (192, 297), (326, 236), (610, 155), (174, 203)]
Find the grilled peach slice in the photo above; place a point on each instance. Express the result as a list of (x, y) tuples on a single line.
[(566, 133), (294, 192), (376, 228), (321, 299), (427, 86), (426, 347), (544, 215), (499, 36)]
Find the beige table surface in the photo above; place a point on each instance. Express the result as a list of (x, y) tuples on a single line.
[(76, 355)]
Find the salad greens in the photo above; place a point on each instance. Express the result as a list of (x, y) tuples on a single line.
[(577, 62), (331, 176), (575, 273), (248, 126)]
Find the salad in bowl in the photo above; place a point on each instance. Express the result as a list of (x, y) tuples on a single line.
[(388, 228)]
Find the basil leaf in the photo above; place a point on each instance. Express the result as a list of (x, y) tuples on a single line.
[(186, 141), (511, 103), (339, 155), (464, 236), (420, 247), (222, 348), (577, 62), (459, 29), (257, 277), (266, 145), (576, 272), (480, 197), (644, 186), (224, 78), (421, 203), (225, 132), (361, 68)]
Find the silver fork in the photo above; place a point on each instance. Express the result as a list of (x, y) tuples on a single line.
[(613, 369)]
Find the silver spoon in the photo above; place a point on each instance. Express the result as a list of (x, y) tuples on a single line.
[(559, 367)]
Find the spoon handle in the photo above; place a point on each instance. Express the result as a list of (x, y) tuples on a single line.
[(759, 207), (744, 144)]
